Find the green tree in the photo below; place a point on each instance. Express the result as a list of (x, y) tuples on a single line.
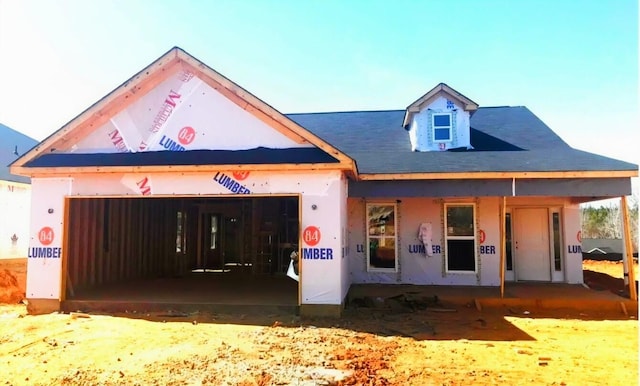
[(605, 222)]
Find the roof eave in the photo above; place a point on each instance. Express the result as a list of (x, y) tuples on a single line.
[(498, 175), (74, 170)]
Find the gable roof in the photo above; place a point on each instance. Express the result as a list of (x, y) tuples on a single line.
[(12, 145), (140, 84), (508, 142), (441, 89)]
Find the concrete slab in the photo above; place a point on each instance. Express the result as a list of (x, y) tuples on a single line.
[(526, 295), (213, 292)]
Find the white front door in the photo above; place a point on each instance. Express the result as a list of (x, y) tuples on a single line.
[(531, 252)]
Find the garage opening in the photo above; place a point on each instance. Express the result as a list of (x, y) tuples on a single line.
[(167, 252)]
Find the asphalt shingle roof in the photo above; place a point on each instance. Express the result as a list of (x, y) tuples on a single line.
[(10, 141), (505, 139)]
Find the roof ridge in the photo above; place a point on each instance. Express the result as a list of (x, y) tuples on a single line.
[(387, 110), (347, 112)]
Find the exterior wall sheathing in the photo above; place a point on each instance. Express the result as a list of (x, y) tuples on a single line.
[(415, 267), (58, 207)]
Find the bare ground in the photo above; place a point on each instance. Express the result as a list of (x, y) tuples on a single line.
[(366, 347)]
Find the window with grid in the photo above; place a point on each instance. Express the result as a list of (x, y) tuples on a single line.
[(441, 124), (382, 254), (460, 237)]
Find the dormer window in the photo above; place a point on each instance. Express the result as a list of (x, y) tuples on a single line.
[(440, 120), (441, 123)]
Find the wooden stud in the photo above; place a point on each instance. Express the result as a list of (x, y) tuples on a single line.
[(141, 235), (129, 239), (151, 231), (628, 248), (89, 255), (153, 239), (147, 238), (75, 233), (120, 239), (81, 281), (146, 232), (110, 255), (100, 241), (503, 243), (64, 272), (123, 238), (106, 263), (164, 238), (300, 277), (199, 258), (139, 219)]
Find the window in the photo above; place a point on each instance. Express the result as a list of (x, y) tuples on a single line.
[(441, 123), (509, 252), (213, 243), (460, 239), (381, 237), (181, 232), (557, 248)]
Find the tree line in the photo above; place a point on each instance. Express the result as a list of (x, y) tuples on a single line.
[(605, 221)]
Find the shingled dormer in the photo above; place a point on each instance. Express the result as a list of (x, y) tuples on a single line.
[(439, 120)]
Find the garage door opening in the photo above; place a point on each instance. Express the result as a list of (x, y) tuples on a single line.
[(163, 252)]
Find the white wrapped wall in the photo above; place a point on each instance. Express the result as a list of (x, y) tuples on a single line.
[(322, 200), (46, 237), (420, 131), (573, 244), (415, 267), (182, 113), (15, 203)]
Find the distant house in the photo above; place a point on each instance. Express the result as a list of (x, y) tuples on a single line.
[(15, 195), (604, 249), (181, 171)]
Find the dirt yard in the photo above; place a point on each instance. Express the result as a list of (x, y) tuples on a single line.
[(366, 347)]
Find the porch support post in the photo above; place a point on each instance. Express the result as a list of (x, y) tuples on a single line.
[(503, 243), (628, 261)]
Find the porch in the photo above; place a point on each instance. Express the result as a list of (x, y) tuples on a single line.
[(526, 296)]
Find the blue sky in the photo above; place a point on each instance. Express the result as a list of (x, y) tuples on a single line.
[(574, 64)]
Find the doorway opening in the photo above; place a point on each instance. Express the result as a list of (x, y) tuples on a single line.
[(188, 249)]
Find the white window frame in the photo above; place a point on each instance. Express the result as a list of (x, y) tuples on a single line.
[(552, 254), (513, 255), (369, 237), (472, 237), (434, 127)]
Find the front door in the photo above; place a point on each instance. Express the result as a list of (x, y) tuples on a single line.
[(531, 236)]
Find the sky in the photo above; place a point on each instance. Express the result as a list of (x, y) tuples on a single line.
[(575, 67)]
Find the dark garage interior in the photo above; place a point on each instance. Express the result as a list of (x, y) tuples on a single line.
[(188, 250)]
